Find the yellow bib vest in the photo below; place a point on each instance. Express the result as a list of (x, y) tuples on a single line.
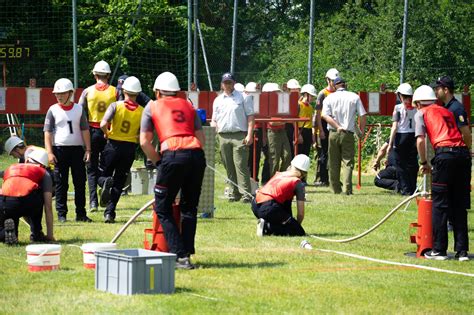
[(98, 102), (125, 124), (306, 111)]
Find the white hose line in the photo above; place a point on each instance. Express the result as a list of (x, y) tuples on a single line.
[(227, 179), (130, 221), (418, 188), (372, 228), (396, 263)]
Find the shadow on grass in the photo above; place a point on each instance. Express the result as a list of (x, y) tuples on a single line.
[(329, 234), (75, 240), (246, 219), (239, 265)]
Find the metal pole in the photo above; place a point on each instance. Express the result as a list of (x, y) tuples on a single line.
[(190, 52), (234, 37), (204, 55), (195, 44), (129, 34), (311, 42), (404, 40), (74, 43)]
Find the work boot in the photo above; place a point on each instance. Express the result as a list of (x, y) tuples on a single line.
[(83, 218), (109, 219), (93, 207), (38, 238), (184, 263), (10, 235)]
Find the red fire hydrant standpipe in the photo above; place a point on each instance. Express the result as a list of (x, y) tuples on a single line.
[(424, 235)]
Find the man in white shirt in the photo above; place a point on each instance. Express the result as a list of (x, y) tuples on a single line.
[(234, 122), (340, 110)]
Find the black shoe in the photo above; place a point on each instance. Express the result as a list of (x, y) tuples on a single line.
[(93, 207), (184, 263), (321, 184), (246, 200), (435, 255), (10, 235), (83, 218), (109, 219), (234, 199), (462, 255), (105, 193), (38, 238), (62, 218)]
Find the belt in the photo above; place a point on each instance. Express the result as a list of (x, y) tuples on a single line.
[(344, 131), (231, 132), (450, 149), (180, 152)]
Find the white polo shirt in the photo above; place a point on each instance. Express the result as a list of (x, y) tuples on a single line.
[(230, 112), (343, 106)]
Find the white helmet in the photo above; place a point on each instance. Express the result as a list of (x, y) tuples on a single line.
[(39, 156), (309, 88), (166, 82), (63, 85), (11, 143), (301, 162), (332, 73), (270, 87), (239, 87), (404, 89), (251, 87), (293, 84), (101, 68), (132, 85), (424, 93)]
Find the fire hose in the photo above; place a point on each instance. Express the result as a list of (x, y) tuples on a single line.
[(387, 216)]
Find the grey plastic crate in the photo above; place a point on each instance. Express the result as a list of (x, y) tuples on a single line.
[(134, 271)]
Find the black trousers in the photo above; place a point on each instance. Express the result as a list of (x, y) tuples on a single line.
[(305, 147), (322, 166), (406, 162), (290, 133), (259, 150), (451, 197), (97, 146), (279, 218), (179, 170), (115, 161), (387, 178), (30, 206), (70, 157)]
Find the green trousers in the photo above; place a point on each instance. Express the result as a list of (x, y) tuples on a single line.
[(341, 150), (235, 157), (279, 151)]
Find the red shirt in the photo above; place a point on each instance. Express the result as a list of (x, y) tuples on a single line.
[(173, 118), (280, 188), (441, 127), (19, 180)]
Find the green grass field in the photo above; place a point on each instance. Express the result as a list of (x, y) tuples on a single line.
[(243, 274)]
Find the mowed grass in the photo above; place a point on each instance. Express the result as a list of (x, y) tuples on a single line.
[(240, 273)]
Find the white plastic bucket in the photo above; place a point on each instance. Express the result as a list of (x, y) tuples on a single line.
[(89, 250), (43, 257)]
